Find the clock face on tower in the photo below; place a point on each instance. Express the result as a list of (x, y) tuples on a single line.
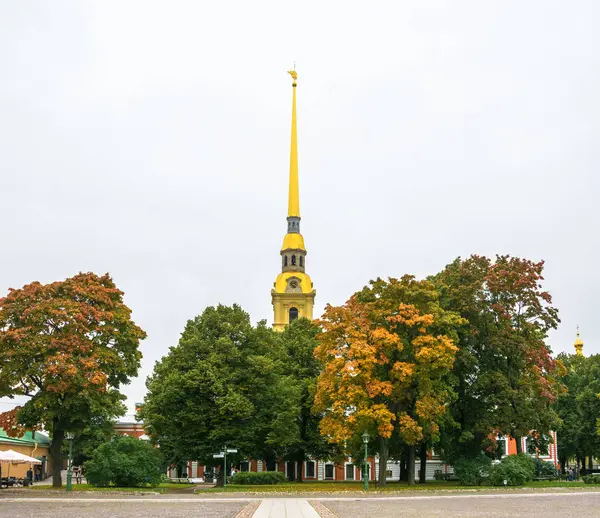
[(293, 286)]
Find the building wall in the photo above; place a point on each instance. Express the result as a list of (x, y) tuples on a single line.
[(20, 470), (132, 429), (552, 455)]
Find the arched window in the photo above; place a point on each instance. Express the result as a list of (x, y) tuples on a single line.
[(285, 260), (293, 260), (301, 261), (293, 314)]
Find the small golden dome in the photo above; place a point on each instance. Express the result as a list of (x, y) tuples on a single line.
[(293, 241), (578, 344)]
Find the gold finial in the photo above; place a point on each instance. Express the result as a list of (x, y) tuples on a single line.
[(293, 73), (578, 344)]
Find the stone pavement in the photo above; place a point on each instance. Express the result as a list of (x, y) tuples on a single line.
[(549, 505), (498, 504), (285, 508)]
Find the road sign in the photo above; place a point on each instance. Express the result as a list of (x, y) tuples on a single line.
[(231, 451), (218, 456)]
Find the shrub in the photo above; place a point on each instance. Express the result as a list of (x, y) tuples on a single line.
[(473, 471), (124, 462), (545, 468), (515, 469), (261, 478), (594, 478)]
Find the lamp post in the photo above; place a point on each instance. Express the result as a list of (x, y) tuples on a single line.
[(69, 436), (365, 439), (223, 455)]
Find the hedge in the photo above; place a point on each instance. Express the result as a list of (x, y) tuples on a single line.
[(473, 471), (515, 469), (260, 478), (594, 478)]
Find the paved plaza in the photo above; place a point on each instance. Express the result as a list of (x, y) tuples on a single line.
[(582, 504)]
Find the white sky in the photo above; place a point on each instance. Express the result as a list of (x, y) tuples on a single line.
[(151, 140)]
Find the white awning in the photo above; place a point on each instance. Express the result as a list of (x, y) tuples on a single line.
[(13, 457)]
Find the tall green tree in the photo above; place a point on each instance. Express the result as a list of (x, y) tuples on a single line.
[(295, 430), (579, 409), (506, 378), (68, 346), (219, 386)]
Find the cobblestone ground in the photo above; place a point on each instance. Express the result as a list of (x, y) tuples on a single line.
[(132, 509), (585, 505)]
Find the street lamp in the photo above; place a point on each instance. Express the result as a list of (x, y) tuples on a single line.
[(223, 455), (69, 436), (365, 439)]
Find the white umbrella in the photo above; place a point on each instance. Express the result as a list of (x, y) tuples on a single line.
[(14, 457)]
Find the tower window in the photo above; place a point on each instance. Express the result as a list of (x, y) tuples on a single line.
[(301, 261), (293, 260), (293, 314), (285, 260)]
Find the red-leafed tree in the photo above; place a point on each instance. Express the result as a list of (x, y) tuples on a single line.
[(506, 378), (68, 346)]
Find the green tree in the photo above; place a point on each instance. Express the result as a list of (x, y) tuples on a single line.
[(579, 409), (295, 430), (125, 462), (506, 378), (219, 386), (99, 430), (68, 346)]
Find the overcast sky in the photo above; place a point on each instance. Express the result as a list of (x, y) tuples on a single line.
[(150, 140)]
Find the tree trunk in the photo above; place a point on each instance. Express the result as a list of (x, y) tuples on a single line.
[(423, 463), (563, 465), (220, 480), (299, 464), (56, 457), (519, 445), (590, 462), (403, 467), (411, 465), (383, 458)]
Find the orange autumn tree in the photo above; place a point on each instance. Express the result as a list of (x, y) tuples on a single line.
[(387, 355), (68, 346)]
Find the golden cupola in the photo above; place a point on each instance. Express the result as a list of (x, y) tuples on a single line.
[(578, 344), (292, 295)]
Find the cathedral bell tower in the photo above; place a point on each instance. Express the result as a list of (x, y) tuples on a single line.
[(292, 295)]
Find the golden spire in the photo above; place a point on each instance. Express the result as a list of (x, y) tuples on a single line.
[(294, 196), (578, 344)]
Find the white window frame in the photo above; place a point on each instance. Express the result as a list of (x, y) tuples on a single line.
[(325, 470), (346, 471), (505, 439), (306, 468), (285, 465)]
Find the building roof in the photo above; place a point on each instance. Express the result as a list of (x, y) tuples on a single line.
[(128, 419), (28, 439)]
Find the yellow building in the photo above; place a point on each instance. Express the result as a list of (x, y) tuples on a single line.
[(292, 295), (32, 444)]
